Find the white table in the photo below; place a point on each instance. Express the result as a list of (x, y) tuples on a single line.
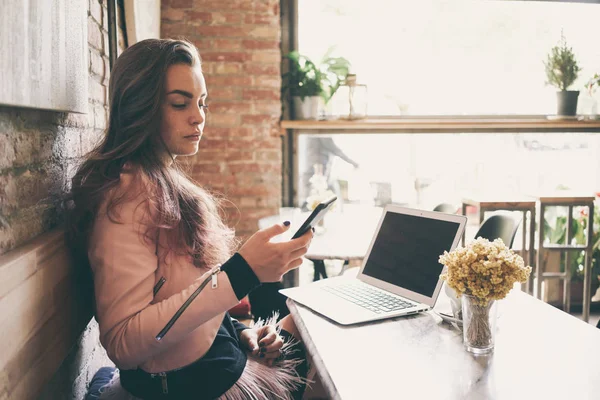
[(541, 353)]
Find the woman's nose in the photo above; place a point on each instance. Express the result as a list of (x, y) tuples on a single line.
[(197, 117)]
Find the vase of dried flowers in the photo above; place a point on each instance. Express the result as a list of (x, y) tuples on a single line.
[(483, 272), (479, 324)]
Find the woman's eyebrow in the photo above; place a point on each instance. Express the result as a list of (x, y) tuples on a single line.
[(185, 93), (181, 92)]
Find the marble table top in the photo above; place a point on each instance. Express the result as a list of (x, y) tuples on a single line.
[(541, 353)]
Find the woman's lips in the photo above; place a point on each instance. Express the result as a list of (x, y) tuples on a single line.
[(195, 137)]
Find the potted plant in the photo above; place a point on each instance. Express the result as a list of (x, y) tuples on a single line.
[(562, 71), (308, 83)]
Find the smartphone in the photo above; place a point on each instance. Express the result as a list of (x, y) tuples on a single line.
[(314, 218)]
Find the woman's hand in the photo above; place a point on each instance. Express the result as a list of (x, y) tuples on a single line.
[(263, 342), (270, 261)]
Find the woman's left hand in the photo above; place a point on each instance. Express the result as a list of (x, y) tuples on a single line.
[(263, 342)]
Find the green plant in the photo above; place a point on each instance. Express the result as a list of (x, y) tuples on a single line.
[(305, 78), (561, 67), (557, 232)]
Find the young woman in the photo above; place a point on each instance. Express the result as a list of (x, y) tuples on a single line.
[(161, 257)]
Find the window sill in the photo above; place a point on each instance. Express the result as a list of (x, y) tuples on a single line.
[(446, 125)]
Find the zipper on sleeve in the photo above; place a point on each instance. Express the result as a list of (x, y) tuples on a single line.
[(169, 325), (158, 285)]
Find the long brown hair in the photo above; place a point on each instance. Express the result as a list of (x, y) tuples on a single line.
[(188, 214)]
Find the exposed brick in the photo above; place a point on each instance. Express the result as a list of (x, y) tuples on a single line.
[(239, 155), (32, 147), (222, 120), (252, 5), (222, 68), (173, 14), (210, 178), (208, 168), (236, 143), (225, 93), (255, 190), (204, 156), (224, 31), (272, 108), (75, 120), (216, 18), (267, 57), (203, 17), (239, 43), (7, 152), (174, 30), (181, 3), (261, 44), (261, 69), (258, 119), (94, 34), (268, 155), (96, 11), (254, 167), (230, 108), (97, 91), (226, 56), (89, 139), (256, 94), (104, 16), (96, 63), (229, 132), (67, 143), (265, 32), (217, 45), (267, 81), (271, 19), (214, 144), (105, 42), (100, 117), (270, 203), (228, 80)]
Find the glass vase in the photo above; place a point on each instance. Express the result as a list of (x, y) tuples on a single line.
[(479, 324)]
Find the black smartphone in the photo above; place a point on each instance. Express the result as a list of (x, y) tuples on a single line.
[(314, 218)]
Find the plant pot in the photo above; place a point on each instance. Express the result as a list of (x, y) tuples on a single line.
[(566, 101), (307, 107)]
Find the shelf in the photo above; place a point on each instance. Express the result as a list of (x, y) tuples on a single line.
[(446, 125)]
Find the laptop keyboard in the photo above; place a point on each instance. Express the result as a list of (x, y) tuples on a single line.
[(368, 297)]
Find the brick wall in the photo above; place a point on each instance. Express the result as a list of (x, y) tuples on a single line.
[(38, 155), (240, 152)]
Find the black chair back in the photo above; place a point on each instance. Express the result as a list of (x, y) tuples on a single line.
[(446, 208), (499, 226)]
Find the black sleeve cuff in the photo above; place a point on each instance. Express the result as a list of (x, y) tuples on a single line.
[(241, 276), (238, 326)]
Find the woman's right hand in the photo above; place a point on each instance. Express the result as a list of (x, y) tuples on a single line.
[(270, 261)]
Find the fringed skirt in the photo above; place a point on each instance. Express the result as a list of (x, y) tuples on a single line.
[(284, 380)]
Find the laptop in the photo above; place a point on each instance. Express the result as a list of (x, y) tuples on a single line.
[(400, 274)]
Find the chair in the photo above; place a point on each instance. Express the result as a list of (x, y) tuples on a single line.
[(446, 208), (499, 226)]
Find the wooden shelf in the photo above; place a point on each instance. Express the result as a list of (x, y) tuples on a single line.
[(446, 125)]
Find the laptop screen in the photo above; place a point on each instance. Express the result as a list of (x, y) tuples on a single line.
[(407, 249)]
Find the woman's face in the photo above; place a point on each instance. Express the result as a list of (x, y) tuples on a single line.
[(183, 110)]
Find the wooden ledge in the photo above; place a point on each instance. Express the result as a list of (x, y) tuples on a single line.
[(447, 125)]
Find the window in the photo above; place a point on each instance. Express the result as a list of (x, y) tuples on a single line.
[(453, 57), (427, 169)]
